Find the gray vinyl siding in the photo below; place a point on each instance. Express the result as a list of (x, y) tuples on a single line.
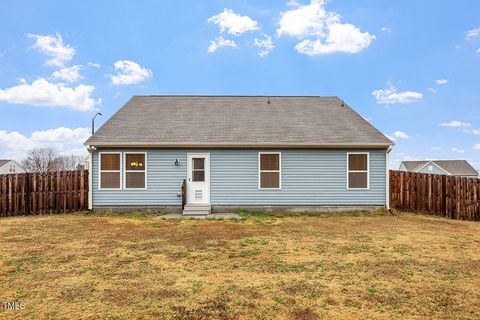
[(164, 180), (309, 177)]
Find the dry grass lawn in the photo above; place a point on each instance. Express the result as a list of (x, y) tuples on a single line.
[(366, 266)]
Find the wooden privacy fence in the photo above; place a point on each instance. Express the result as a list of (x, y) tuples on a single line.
[(447, 196), (43, 193)]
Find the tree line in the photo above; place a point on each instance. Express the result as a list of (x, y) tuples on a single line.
[(48, 159)]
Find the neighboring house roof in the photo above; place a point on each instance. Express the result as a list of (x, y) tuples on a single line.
[(452, 167), (413, 165), (4, 162), (237, 121)]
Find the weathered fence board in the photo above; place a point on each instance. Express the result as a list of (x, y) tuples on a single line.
[(43, 193), (447, 196)]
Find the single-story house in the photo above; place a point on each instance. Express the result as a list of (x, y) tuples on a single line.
[(253, 152), (460, 168), (10, 167)]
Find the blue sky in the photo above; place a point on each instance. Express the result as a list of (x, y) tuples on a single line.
[(412, 68)]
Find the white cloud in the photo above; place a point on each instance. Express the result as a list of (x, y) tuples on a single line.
[(441, 81), (293, 3), (391, 96), (386, 29), (265, 45), (66, 141), (93, 65), (219, 43), (401, 135), (432, 90), (458, 150), (43, 93), (62, 134), (478, 50), (232, 23), (435, 148), (321, 31), (53, 47), (398, 135), (129, 72), (476, 131), (455, 124), (304, 20), (476, 146), (70, 74), (341, 38), (14, 145), (470, 34)]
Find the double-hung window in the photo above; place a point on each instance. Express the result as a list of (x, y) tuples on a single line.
[(135, 170), (358, 170), (269, 175), (109, 170)]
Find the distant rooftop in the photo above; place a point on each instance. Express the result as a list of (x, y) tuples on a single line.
[(4, 162), (453, 167)]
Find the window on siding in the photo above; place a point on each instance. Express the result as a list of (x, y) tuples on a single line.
[(135, 170), (109, 170), (269, 170), (358, 171)]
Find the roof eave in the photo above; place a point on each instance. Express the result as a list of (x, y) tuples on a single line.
[(239, 145)]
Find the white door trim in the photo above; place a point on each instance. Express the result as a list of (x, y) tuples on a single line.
[(203, 186)]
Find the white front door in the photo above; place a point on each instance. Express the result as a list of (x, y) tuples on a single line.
[(198, 178)]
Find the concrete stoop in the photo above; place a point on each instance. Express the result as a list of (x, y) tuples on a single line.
[(197, 210)]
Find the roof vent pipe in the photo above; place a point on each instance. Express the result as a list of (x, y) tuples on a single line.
[(268, 100)]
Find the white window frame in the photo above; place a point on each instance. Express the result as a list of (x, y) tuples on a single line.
[(279, 170), (124, 167), (100, 170), (367, 171)]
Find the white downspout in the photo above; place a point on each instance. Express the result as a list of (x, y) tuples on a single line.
[(387, 167), (90, 178)]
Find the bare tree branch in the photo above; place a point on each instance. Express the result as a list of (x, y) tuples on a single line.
[(47, 159)]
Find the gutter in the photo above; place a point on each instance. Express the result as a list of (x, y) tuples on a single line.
[(240, 145)]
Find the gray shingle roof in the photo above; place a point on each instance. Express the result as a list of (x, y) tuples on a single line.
[(457, 167), (237, 120), (454, 167), (413, 165), (3, 162)]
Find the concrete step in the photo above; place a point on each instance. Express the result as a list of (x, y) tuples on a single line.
[(197, 209)]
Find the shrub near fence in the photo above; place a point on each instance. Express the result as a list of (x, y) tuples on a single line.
[(43, 193), (447, 196)]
